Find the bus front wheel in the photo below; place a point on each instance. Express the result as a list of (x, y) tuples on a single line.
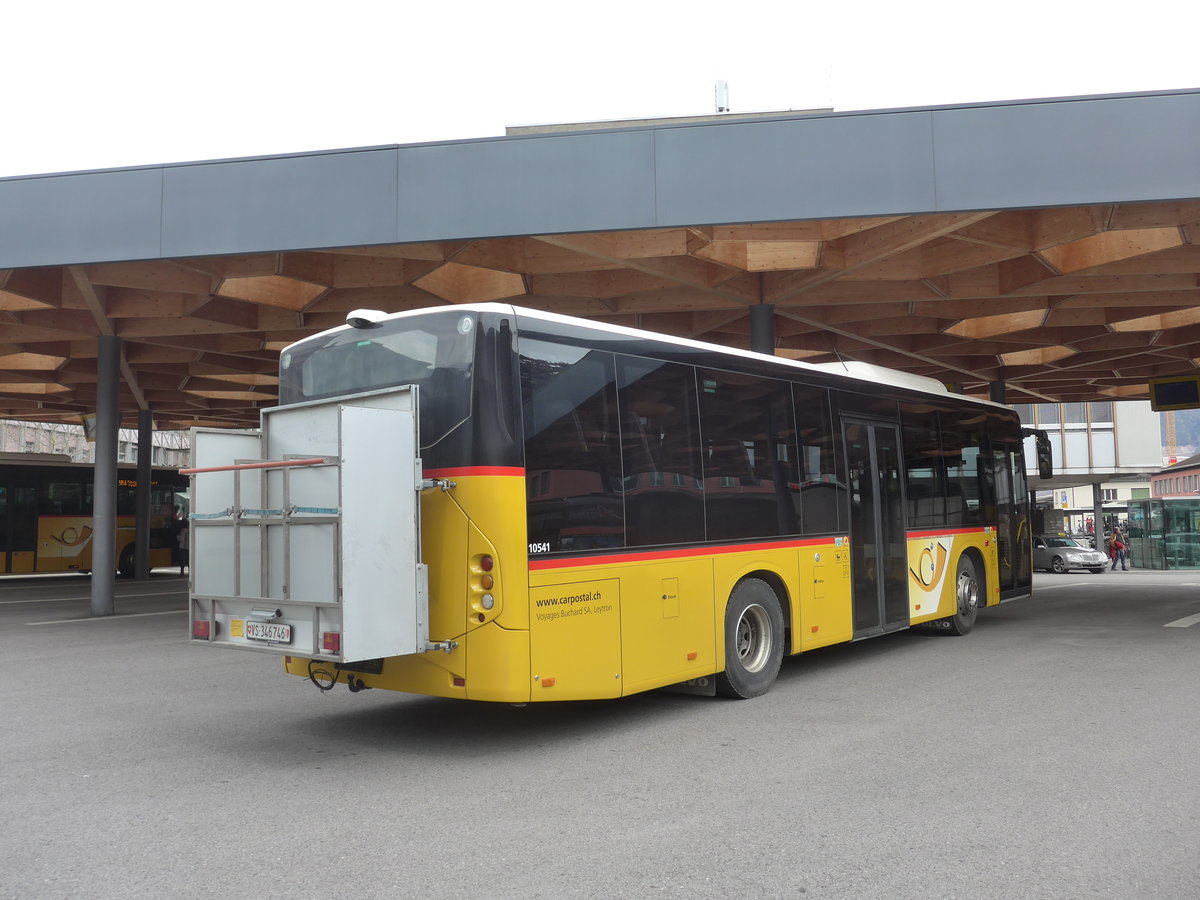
[(753, 640), (966, 597)]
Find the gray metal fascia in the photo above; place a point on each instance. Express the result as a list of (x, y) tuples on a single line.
[(1045, 152)]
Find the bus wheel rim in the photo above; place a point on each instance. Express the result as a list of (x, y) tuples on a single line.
[(968, 593), (753, 638)]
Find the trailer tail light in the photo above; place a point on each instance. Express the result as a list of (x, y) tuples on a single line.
[(331, 641), (201, 630)]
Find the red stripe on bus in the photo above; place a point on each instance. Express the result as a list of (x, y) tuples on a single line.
[(652, 555), (464, 471), (942, 532)]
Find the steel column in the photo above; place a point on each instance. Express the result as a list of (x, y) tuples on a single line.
[(145, 457), (762, 328), (104, 505)]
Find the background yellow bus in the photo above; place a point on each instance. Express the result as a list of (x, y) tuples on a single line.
[(601, 510), (46, 514)]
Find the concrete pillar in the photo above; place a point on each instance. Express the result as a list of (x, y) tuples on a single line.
[(762, 328), (104, 491), (997, 392), (145, 457), (1098, 515)]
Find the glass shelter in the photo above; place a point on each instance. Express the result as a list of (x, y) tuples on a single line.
[(1165, 533)]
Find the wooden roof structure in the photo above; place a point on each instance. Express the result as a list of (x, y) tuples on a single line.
[(1059, 302)]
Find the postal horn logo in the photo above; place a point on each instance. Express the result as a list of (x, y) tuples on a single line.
[(930, 567)]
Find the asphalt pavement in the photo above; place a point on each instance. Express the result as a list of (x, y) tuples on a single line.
[(1052, 753)]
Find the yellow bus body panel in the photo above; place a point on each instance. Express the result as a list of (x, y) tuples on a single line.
[(64, 544), (932, 563), (825, 615), (622, 622)]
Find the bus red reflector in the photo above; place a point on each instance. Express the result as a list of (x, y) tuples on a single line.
[(200, 629), (331, 641), (547, 682), (459, 681)]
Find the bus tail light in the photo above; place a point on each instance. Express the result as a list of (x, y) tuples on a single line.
[(201, 630), (486, 563), (331, 641)]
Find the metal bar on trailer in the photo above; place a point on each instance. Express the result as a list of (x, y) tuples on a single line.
[(264, 502), (321, 604), (287, 534), (273, 464)]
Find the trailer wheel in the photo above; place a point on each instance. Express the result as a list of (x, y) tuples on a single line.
[(753, 640)]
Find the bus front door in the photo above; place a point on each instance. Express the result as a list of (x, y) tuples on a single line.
[(1012, 523), (878, 552)]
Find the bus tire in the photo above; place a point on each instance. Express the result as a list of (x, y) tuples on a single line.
[(126, 564), (966, 597), (753, 640)]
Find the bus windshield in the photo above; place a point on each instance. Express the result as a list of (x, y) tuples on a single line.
[(433, 351)]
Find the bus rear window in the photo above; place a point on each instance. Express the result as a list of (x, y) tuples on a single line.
[(433, 351)]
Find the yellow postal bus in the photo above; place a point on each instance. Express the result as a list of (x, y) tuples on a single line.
[(46, 514), (494, 503)]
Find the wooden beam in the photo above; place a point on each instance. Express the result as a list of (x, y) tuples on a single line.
[(858, 250), (1098, 250), (689, 271), (467, 284)]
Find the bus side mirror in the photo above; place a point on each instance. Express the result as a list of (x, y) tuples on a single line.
[(1045, 456)]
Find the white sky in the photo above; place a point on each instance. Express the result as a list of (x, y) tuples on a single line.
[(88, 85)]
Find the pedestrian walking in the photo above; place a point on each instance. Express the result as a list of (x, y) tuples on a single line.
[(1118, 553)]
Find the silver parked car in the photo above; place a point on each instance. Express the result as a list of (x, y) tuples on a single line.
[(1058, 553)]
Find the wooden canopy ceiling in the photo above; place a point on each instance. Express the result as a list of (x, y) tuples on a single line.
[(1078, 303)]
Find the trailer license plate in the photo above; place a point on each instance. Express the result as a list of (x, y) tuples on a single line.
[(269, 631)]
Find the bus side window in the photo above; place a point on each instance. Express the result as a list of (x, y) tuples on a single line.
[(750, 477), (64, 498), (572, 462), (967, 491), (822, 491), (925, 472), (659, 429)]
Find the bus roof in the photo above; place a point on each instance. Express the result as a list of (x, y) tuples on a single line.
[(854, 369)]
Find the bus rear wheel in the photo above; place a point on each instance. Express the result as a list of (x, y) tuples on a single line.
[(966, 597), (753, 640), (126, 563)]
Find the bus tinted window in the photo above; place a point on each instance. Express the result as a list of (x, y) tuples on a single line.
[(966, 467), (572, 448), (926, 477), (660, 450), (64, 498), (750, 474), (822, 492), (433, 351)]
